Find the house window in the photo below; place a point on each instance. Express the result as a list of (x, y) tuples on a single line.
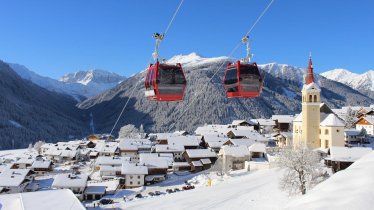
[(315, 98), (326, 131), (130, 177), (130, 182), (138, 183), (138, 177)]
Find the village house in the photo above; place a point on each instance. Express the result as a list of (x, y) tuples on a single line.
[(212, 129), (94, 192), (353, 136), (157, 165), (283, 139), (366, 123), (23, 163), (342, 157), (189, 142), (214, 141), (331, 128), (41, 166), (265, 125), (191, 155), (74, 182), (175, 149), (236, 123), (110, 171), (257, 150), (15, 180), (110, 161), (181, 166), (134, 174), (132, 148), (107, 148), (234, 157), (238, 142), (283, 123)]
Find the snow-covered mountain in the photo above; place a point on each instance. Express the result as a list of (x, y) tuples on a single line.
[(363, 81), (83, 83), (205, 99)]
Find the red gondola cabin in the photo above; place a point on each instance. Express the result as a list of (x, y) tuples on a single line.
[(243, 80), (165, 82)]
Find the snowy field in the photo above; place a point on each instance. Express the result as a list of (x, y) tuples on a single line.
[(254, 190)]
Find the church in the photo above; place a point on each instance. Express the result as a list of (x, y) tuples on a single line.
[(316, 126)]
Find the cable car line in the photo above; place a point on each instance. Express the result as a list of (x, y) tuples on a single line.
[(229, 56), (136, 85)]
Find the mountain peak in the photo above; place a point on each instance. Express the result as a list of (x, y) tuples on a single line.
[(90, 76)]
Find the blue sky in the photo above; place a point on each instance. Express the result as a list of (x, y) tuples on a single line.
[(54, 37)]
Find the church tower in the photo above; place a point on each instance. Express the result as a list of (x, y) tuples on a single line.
[(311, 101)]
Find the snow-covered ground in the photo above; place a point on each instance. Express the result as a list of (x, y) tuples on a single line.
[(244, 190)]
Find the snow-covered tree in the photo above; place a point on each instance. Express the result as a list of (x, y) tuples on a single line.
[(128, 131), (37, 146), (302, 167), (350, 118), (29, 149)]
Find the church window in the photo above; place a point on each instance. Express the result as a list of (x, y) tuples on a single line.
[(337, 130), (326, 144), (310, 98), (315, 98)]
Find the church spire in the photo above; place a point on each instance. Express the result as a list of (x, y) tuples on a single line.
[(309, 77)]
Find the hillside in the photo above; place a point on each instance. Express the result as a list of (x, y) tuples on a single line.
[(29, 113), (206, 102)]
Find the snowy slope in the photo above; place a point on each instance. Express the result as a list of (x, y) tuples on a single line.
[(254, 190), (352, 188), (84, 83), (284, 71), (363, 81)]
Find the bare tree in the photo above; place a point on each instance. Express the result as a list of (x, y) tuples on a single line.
[(128, 131), (302, 167)]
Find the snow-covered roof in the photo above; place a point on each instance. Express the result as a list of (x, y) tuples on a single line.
[(212, 129), (70, 180), (235, 151), (107, 160), (41, 200), (95, 190), (41, 164), (257, 147), (169, 148), (311, 86), (28, 160), (183, 140), (155, 160), (299, 117), (68, 153), (332, 121), (180, 164), (352, 132), (351, 188), (346, 154), (245, 142), (134, 169), (13, 177), (265, 122), (106, 147), (238, 122), (134, 144), (205, 161), (196, 163), (283, 118), (200, 153), (110, 168)]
